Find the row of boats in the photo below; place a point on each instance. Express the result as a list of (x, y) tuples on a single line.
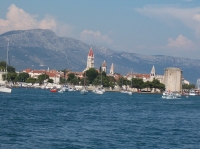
[(173, 95), (83, 91)]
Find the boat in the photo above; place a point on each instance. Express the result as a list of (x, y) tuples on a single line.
[(192, 93), (53, 90), (129, 91), (169, 95), (99, 90), (84, 90), (5, 88), (64, 88), (71, 89), (60, 91), (177, 94)]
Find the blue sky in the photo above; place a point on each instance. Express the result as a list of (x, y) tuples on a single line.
[(148, 27)]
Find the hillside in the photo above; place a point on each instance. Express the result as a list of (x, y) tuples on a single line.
[(40, 49)]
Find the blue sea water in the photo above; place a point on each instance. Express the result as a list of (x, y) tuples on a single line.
[(38, 119)]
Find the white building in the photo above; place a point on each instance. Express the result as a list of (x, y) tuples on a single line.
[(112, 69), (90, 60), (104, 67)]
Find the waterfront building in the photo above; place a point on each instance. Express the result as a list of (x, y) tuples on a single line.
[(53, 74)]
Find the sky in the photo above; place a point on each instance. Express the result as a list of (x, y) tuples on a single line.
[(147, 27)]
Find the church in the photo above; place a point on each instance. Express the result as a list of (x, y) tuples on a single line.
[(90, 64)]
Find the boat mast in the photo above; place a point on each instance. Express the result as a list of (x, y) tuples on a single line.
[(7, 60), (131, 78), (101, 77)]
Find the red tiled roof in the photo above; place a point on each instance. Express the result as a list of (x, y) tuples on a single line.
[(27, 70), (91, 52), (39, 71)]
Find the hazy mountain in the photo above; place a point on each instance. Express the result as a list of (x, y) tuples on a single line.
[(37, 47)]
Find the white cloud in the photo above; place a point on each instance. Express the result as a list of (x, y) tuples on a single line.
[(181, 43), (190, 17), (92, 37), (18, 19)]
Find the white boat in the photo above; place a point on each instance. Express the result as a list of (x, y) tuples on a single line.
[(64, 88), (123, 91), (4, 88), (98, 91), (192, 93), (177, 94), (169, 95), (60, 91), (71, 89), (84, 90), (129, 92)]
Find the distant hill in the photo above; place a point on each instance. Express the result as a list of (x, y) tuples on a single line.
[(40, 49)]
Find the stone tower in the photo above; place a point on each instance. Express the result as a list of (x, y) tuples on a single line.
[(90, 59), (173, 79), (152, 73), (112, 69), (103, 67)]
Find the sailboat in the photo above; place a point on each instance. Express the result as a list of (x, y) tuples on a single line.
[(129, 91), (84, 91), (123, 91), (64, 87), (4, 87), (99, 90)]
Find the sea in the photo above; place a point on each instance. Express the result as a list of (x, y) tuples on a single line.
[(39, 119)]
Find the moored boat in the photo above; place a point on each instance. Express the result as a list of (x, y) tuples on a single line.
[(53, 90)]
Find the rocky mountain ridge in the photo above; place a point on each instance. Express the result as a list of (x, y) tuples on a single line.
[(40, 49)]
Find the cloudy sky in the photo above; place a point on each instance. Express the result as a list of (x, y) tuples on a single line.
[(148, 27)]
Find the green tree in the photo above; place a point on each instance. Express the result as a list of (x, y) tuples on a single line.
[(3, 64), (10, 69), (138, 83), (186, 86), (31, 80), (121, 81), (71, 76), (148, 85), (11, 76), (111, 81), (91, 75), (22, 77), (50, 80), (42, 77), (161, 87), (156, 84), (72, 79)]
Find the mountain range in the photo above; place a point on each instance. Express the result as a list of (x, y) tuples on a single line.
[(42, 48)]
